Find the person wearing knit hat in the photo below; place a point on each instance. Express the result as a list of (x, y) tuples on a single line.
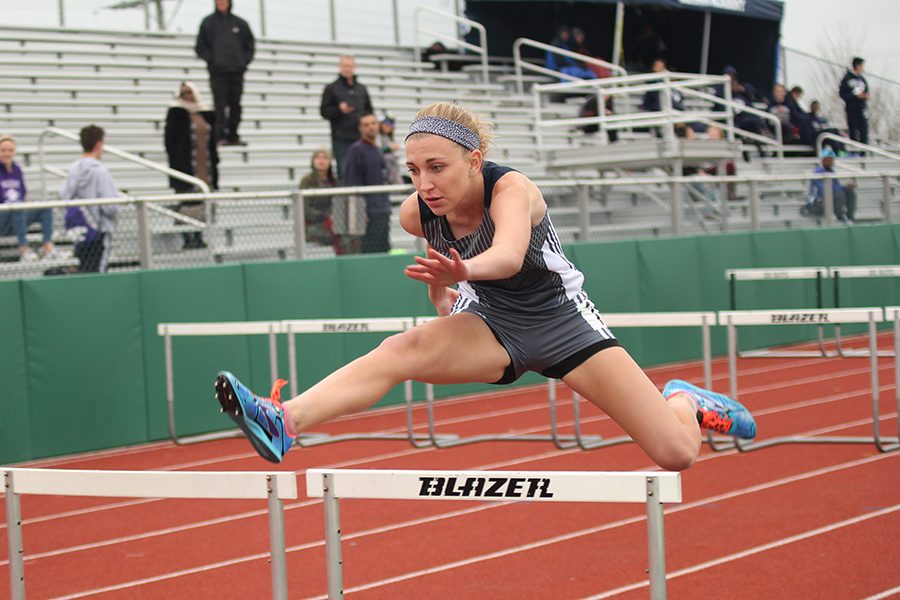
[(843, 195), (191, 147)]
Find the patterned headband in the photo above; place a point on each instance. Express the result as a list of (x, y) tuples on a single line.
[(446, 128)]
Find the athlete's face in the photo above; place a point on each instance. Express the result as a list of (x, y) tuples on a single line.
[(7, 152), (442, 171)]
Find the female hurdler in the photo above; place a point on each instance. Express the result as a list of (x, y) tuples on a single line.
[(517, 306)]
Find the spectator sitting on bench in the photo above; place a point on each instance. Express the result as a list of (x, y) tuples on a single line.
[(565, 64), (844, 194), (12, 190), (821, 125)]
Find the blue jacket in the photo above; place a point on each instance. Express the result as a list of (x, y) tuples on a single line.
[(817, 186), (364, 165)]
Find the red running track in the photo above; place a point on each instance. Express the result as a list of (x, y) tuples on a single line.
[(787, 522)]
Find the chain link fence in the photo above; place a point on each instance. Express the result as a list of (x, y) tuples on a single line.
[(155, 232)]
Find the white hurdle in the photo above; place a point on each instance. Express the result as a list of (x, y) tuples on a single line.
[(858, 272), (274, 487), (834, 316), (170, 330), (654, 488), (703, 320), (781, 274), (376, 325)]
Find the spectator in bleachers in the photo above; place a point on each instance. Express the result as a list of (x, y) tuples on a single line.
[(365, 165), (565, 64), (854, 91), (91, 227), (579, 45), (12, 190), (344, 100), (645, 48), (744, 94), (820, 124), (191, 146), (227, 45), (317, 210), (844, 195), (390, 149), (783, 107)]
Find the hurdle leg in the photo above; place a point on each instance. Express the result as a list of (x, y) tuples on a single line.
[(883, 445), (656, 541), (14, 540), (276, 541), (334, 561)]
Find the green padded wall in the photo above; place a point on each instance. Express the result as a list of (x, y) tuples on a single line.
[(85, 362), (15, 408), (84, 349), (190, 295)]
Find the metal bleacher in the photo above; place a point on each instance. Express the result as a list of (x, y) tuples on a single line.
[(125, 82)]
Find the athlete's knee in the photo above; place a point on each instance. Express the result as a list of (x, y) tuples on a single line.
[(403, 350), (677, 456)]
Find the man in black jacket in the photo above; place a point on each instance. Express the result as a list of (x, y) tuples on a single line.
[(343, 101), (854, 91), (226, 43)]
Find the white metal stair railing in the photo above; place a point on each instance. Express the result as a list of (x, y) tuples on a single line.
[(665, 83), (520, 64), (480, 48)]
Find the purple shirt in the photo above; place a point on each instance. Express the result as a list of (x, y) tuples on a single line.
[(12, 184)]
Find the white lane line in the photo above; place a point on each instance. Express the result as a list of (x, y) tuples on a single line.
[(751, 551), (885, 594), (557, 539)]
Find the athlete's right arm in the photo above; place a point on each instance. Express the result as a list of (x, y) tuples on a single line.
[(409, 216)]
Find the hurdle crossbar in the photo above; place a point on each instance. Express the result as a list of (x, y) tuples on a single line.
[(869, 315), (703, 320), (782, 274), (858, 272), (274, 487), (654, 488), (170, 330)]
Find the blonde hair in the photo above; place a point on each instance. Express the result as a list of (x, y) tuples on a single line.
[(463, 116), (7, 138)]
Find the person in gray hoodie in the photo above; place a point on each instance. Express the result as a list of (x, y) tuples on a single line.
[(90, 227)]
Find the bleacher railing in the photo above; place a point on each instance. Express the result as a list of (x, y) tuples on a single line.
[(720, 111), (238, 228), (480, 48), (520, 64)]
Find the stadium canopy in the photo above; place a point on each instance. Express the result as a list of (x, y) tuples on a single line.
[(701, 36)]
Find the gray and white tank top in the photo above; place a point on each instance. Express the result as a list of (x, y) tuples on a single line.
[(547, 279)]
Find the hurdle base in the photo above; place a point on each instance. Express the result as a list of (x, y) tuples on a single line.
[(884, 444), (228, 433), (322, 439)]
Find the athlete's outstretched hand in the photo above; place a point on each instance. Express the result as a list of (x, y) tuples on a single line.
[(438, 270)]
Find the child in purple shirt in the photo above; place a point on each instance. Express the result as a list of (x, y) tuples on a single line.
[(12, 190)]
